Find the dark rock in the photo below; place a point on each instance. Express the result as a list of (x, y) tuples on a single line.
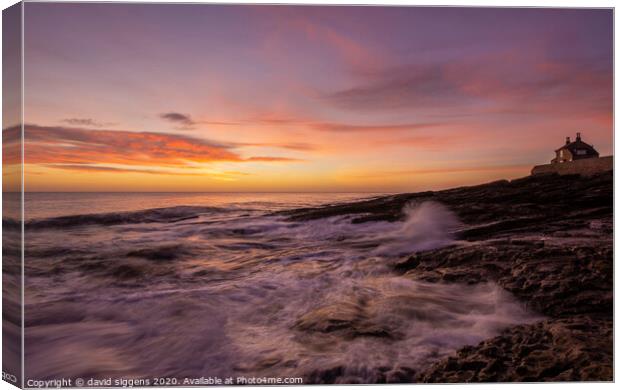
[(401, 375), (328, 376)]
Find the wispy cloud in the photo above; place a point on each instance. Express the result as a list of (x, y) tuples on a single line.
[(445, 170), (272, 159), (412, 86), (290, 119), (297, 146), (95, 168), (227, 175), (357, 56), (86, 122), (503, 82), (344, 127)]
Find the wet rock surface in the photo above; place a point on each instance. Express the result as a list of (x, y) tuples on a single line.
[(564, 349), (553, 278), (350, 321), (571, 283), (549, 241)]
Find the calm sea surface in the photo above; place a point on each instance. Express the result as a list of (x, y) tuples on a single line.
[(53, 204)]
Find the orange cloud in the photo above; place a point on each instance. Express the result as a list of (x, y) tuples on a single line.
[(62, 145), (99, 150)]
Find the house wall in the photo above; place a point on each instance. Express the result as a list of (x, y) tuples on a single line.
[(566, 156), (585, 167)]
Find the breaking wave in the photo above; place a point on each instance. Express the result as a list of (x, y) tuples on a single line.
[(429, 225)]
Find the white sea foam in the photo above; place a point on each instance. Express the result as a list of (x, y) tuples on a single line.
[(428, 225)]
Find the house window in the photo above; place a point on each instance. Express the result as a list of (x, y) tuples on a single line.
[(581, 152)]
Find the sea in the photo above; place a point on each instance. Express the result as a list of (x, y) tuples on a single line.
[(195, 285)]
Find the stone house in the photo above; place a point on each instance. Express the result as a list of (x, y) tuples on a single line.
[(576, 150)]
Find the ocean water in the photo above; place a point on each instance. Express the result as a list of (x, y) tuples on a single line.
[(217, 285)]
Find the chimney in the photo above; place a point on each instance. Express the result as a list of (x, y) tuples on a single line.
[(567, 140), (578, 136)]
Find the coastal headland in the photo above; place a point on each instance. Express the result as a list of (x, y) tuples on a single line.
[(547, 239)]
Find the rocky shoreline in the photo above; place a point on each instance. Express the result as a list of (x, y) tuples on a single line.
[(546, 239)]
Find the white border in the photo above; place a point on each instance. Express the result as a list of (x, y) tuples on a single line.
[(470, 3)]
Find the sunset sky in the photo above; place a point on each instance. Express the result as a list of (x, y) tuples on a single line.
[(122, 97)]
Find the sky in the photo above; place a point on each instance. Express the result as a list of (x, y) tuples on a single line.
[(186, 97)]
